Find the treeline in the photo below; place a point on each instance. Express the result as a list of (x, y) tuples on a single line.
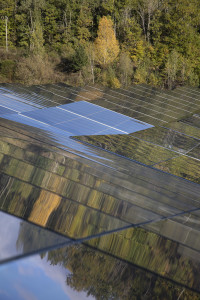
[(112, 42)]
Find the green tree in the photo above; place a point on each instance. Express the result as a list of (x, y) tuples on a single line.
[(7, 29), (125, 68), (80, 58)]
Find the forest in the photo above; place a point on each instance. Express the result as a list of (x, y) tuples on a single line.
[(114, 43)]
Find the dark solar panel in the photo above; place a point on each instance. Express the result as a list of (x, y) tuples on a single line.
[(32, 239), (101, 188)]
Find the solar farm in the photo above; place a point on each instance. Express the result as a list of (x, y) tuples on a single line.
[(101, 187)]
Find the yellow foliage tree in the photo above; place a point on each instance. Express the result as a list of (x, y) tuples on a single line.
[(106, 44)]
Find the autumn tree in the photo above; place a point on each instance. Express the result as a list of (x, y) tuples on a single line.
[(159, 39), (106, 44)]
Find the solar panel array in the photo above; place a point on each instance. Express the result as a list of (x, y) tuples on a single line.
[(141, 102), (171, 113), (77, 118), (86, 194)]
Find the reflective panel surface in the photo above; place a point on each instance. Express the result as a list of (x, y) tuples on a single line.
[(123, 193), (20, 238), (81, 272)]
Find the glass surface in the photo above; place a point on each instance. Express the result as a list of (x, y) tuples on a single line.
[(96, 94), (19, 238), (48, 208), (54, 97), (179, 93), (35, 95), (51, 115), (80, 94), (69, 118), (130, 147), (143, 102), (195, 152), (82, 126), (84, 108), (185, 128), (60, 95), (132, 126), (182, 229), (143, 218), (152, 102), (192, 120), (4, 110), (186, 167), (110, 131), (171, 97), (37, 278), (15, 105), (131, 112), (138, 94), (81, 205), (17, 97), (81, 272), (189, 91), (185, 96), (93, 155), (168, 138), (178, 261)]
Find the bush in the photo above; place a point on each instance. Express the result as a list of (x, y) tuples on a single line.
[(36, 69), (7, 68), (114, 83)]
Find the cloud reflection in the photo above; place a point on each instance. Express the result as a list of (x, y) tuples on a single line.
[(36, 279)]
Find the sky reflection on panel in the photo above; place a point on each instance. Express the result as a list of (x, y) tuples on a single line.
[(99, 189)]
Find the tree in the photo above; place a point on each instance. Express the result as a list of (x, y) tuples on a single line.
[(90, 53), (36, 38), (106, 44), (125, 68), (80, 58), (146, 10), (7, 34)]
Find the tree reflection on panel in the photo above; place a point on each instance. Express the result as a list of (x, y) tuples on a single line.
[(71, 198), (106, 277)]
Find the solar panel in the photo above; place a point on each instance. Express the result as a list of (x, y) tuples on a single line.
[(80, 118), (14, 104), (4, 110), (51, 115), (11, 245), (101, 196), (80, 126), (82, 107)]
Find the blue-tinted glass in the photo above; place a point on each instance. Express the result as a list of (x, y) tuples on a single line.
[(82, 126), (109, 117), (22, 99), (82, 107), (51, 115), (132, 126), (15, 104), (110, 131), (24, 120), (4, 110)]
